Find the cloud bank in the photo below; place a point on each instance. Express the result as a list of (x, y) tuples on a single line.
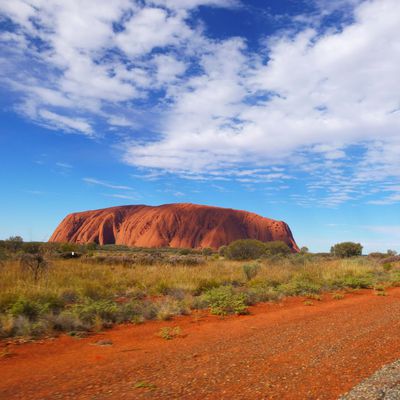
[(320, 102)]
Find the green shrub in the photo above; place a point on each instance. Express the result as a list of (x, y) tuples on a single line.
[(245, 249), (276, 248), (346, 249), (207, 251), (204, 285), (223, 301), (357, 281), (169, 333), (24, 307), (251, 270), (88, 311), (299, 286), (387, 266), (222, 251)]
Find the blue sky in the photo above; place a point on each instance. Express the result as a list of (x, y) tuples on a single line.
[(287, 108)]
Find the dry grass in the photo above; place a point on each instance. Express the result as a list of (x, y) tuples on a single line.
[(75, 295)]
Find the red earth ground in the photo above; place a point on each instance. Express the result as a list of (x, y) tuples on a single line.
[(287, 350)]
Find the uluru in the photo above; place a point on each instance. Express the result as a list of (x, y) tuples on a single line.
[(179, 225)]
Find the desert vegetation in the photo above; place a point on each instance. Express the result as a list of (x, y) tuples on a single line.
[(50, 288)]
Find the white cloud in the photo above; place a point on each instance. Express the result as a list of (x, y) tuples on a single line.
[(66, 123), (93, 181), (64, 165), (121, 196), (150, 28), (303, 100), (304, 96), (92, 57)]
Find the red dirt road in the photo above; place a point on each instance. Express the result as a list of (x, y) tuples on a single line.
[(280, 351)]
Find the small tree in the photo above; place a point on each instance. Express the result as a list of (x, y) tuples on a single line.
[(14, 243), (304, 250), (391, 252), (33, 264), (277, 248), (245, 249), (250, 271), (346, 249)]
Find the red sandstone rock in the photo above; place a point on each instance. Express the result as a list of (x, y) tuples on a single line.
[(170, 225)]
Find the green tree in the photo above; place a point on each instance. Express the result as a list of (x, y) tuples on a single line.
[(346, 249), (277, 248), (245, 249), (14, 243)]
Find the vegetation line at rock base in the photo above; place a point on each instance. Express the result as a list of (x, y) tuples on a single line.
[(47, 294)]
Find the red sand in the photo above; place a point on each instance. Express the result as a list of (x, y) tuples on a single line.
[(170, 225), (280, 351)]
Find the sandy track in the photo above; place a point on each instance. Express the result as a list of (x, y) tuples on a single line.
[(280, 351)]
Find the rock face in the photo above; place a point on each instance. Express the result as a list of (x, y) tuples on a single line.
[(170, 225)]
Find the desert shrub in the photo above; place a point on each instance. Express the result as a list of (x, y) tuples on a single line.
[(162, 287), (14, 243), (31, 247), (299, 287), (260, 292), (245, 249), (223, 300), (169, 333), (204, 285), (387, 266), (168, 307), (251, 270), (94, 290), (25, 307), (356, 281), (33, 264), (346, 249), (89, 310), (184, 252), (207, 251), (276, 248), (222, 251), (185, 260), (391, 259), (300, 259), (377, 255), (69, 296), (138, 311)]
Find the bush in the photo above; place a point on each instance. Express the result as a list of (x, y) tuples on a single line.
[(387, 267), (223, 301), (250, 270), (245, 249), (90, 310), (27, 308), (34, 264), (276, 248), (207, 251), (346, 249), (222, 251), (204, 285)]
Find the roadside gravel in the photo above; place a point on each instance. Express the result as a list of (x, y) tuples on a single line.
[(383, 385)]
